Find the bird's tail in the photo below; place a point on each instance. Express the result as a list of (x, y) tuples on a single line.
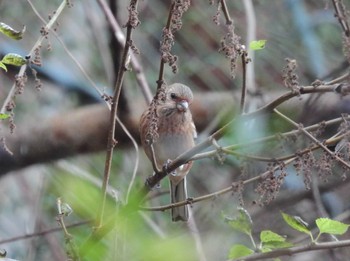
[(179, 193)]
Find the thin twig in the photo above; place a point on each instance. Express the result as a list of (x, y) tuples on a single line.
[(209, 154), (69, 53), (226, 13), (309, 135), (57, 13), (136, 165), (251, 36), (286, 161), (244, 82), (136, 65), (341, 15), (294, 250), (71, 248), (339, 79), (43, 232), (115, 101), (215, 194), (160, 80)]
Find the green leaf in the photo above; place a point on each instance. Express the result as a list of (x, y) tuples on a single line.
[(12, 33), (326, 225), (3, 66), (13, 59), (4, 116), (268, 236), (243, 223), (296, 222), (270, 240), (257, 45), (267, 247), (239, 251)]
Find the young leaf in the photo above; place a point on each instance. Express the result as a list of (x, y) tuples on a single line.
[(4, 116), (270, 240), (268, 235), (3, 66), (239, 251), (326, 225), (10, 32), (257, 45), (243, 223), (296, 222), (13, 59)]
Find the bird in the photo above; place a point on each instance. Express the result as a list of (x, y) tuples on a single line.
[(166, 131)]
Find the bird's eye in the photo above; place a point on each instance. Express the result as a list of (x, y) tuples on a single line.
[(173, 96)]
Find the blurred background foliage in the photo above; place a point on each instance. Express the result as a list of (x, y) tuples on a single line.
[(303, 30)]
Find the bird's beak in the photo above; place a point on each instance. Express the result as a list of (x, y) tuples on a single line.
[(182, 105)]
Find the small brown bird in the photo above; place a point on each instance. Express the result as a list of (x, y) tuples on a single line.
[(167, 125)]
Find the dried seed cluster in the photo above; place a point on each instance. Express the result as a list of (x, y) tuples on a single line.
[(152, 116), (290, 77), (133, 15), (270, 186), (231, 47), (167, 42)]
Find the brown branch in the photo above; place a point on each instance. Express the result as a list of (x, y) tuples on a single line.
[(226, 13), (160, 80), (115, 101), (340, 13), (333, 155), (136, 65), (43, 232), (295, 250), (244, 81)]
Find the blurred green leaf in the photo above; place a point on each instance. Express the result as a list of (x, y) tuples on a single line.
[(10, 32), (4, 116), (296, 222), (243, 223), (257, 45), (3, 66), (13, 59), (326, 225), (239, 251)]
